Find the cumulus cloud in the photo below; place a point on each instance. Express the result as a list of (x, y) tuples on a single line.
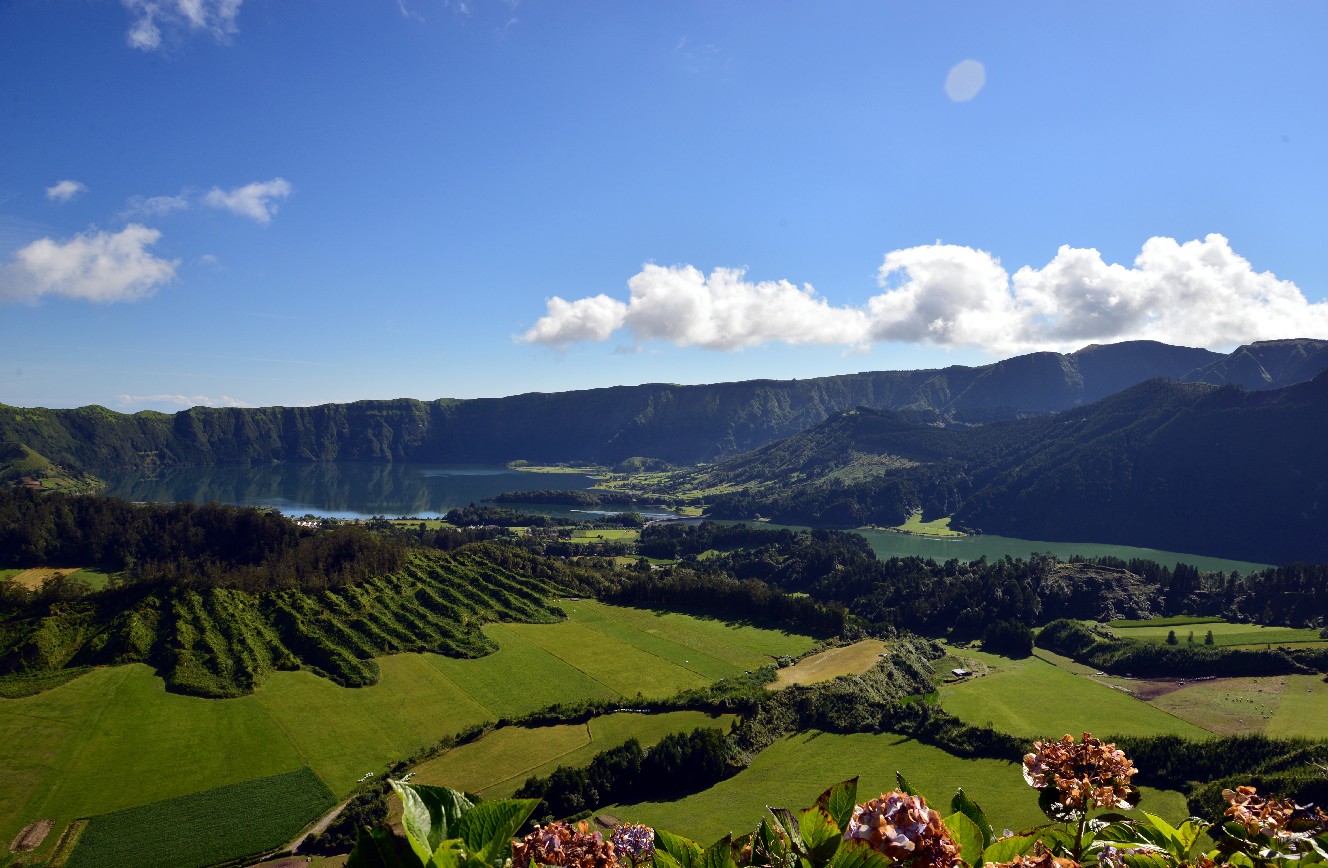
[(154, 20), (94, 266), (1193, 293), (182, 401), (63, 191), (257, 201)]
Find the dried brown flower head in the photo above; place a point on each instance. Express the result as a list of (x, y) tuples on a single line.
[(1275, 818), (1038, 857), (903, 828), (562, 845), (1089, 774)]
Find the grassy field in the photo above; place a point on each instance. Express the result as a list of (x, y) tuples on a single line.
[(1175, 620), (207, 827), (935, 527), (1224, 633), (849, 660), (34, 577), (794, 771), (495, 765), (1224, 705), (605, 534), (114, 738), (1033, 697)]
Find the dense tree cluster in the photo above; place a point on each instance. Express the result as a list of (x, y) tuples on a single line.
[(207, 546), (679, 763)]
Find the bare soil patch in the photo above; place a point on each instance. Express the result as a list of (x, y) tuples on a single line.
[(852, 659), (32, 836)]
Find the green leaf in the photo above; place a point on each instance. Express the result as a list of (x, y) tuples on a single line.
[(718, 854), (448, 855), (428, 813), (1242, 860), (686, 851), (962, 804), (376, 849), (839, 801), (767, 842), (1162, 826), (904, 785), (1146, 860), (859, 854), (788, 824), (1005, 849), (488, 828), (664, 860), (967, 835), (820, 835)]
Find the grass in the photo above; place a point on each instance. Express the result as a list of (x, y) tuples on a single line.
[(1173, 621), (795, 770), (497, 764), (1228, 706), (1224, 633), (34, 577), (1033, 697), (847, 660), (605, 534), (1303, 710), (113, 738), (205, 827), (935, 527)]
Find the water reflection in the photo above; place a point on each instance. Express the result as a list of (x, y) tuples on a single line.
[(337, 489)]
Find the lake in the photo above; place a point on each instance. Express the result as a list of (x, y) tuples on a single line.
[(337, 489), (363, 490)]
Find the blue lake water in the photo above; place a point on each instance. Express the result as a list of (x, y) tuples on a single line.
[(364, 490)]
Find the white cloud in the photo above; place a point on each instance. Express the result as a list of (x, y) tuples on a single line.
[(182, 401), (1197, 293), (965, 80), (155, 206), (93, 266), (63, 191), (255, 201), (178, 17)]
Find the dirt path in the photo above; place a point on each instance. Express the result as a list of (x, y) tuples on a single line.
[(318, 828), (32, 836)]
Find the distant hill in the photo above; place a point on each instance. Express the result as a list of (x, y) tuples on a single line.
[(1181, 466), (679, 424)]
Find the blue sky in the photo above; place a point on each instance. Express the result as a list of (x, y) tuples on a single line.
[(290, 202)]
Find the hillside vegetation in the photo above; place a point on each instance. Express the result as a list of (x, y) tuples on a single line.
[(679, 424)]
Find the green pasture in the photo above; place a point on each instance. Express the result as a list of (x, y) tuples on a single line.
[(829, 664), (1303, 710), (497, 764), (1224, 633), (1227, 706), (113, 738), (1173, 621), (605, 534), (795, 770), (206, 827), (1033, 697), (935, 527)]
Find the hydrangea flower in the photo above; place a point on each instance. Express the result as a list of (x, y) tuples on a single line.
[(1038, 857), (902, 827), (1274, 818), (634, 841), (562, 845), (1089, 774)]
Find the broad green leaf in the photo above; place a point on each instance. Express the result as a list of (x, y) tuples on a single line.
[(1146, 860), (962, 804), (449, 854), (664, 860), (376, 849), (967, 835), (904, 785), (1189, 832), (718, 854), (768, 842), (428, 813), (789, 825), (1005, 849), (1162, 826), (488, 828), (839, 801), (1241, 859), (820, 835), (859, 854), (686, 851)]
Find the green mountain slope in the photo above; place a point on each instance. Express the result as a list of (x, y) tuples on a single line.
[(1187, 467), (681, 424)]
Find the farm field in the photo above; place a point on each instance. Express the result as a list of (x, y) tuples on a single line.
[(35, 577), (935, 527), (795, 770), (497, 764), (849, 660), (114, 738), (1033, 697), (210, 826), (1224, 633), (1226, 706), (605, 534)]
